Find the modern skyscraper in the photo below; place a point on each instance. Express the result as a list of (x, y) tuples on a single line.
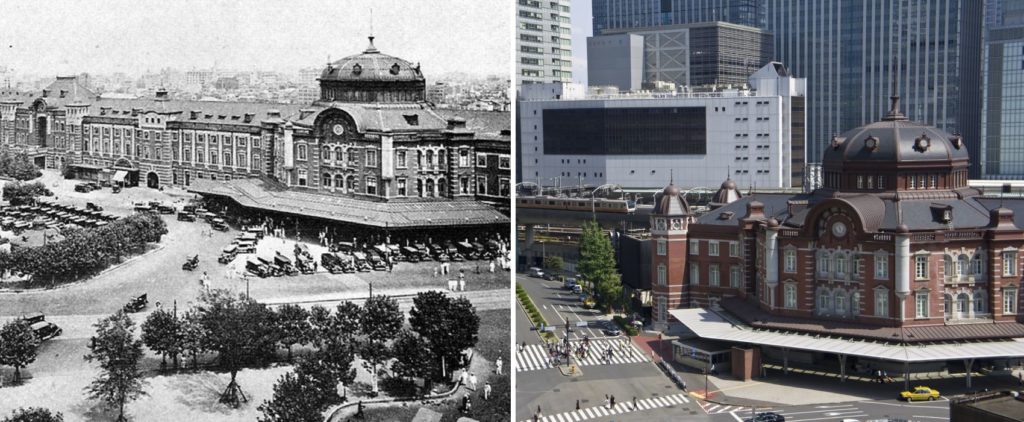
[(850, 52), (1003, 113), (544, 42)]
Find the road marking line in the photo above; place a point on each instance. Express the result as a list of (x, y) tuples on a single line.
[(859, 414), (930, 417), (823, 411), (738, 419)]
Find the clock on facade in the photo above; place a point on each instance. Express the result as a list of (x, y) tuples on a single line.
[(839, 229), (338, 129)]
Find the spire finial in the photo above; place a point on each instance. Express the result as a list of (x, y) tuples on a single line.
[(671, 177), (371, 48), (894, 107)]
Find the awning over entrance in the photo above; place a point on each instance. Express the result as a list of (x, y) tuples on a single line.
[(708, 324), (87, 167), (120, 176)]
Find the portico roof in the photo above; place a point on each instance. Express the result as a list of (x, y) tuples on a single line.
[(266, 195), (709, 324)]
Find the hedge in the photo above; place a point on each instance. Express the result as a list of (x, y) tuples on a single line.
[(627, 328)]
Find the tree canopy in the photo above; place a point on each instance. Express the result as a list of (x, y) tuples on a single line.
[(448, 326), (118, 353), (34, 414), (18, 345), (597, 265)]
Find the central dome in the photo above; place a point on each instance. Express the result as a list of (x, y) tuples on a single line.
[(372, 76)]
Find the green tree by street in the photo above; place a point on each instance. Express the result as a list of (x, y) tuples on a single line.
[(161, 332), (193, 336), (413, 358), (346, 320), (118, 352), (322, 326), (554, 264), (241, 331), (34, 414), (18, 346), (20, 166), (296, 399), (597, 265), (448, 326), (293, 326), (380, 322)]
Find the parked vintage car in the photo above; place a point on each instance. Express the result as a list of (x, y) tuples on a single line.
[(165, 209), (246, 246), (45, 330), (346, 247), (439, 253), (466, 249), (219, 224), (83, 187), (32, 318), (285, 264), (116, 189), (301, 250), (136, 304), (411, 254), (305, 264), (185, 216), (453, 253), (93, 207), (361, 261), (228, 254), (272, 268), (254, 266), (191, 263), (376, 260)]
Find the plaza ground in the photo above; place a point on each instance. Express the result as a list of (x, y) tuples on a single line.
[(56, 380)]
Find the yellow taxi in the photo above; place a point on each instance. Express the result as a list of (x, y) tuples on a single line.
[(920, 393)]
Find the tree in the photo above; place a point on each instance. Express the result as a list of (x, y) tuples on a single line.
[(293, 326), (597, 265), (413, 358), (379, 323), (193, 336), (241, 331), (448, 325), (21, 167), (20, 193), (34, 414), (118, 352), (161, 332), (321, 325), (296, 399), (346, 320), (554, 264), (18, 344)]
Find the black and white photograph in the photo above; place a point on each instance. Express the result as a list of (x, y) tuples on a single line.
[(256, 210)]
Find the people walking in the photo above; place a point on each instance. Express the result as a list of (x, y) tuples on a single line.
[(462, 283), (497, 366), (612, 402), (487, 391), (634, 402), (607, 401), (472, 381)]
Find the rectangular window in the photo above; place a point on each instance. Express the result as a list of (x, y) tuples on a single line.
[(881, 267), (921, 300), (789, 261), (856, 266), (662, 275), (662, 246), (881, 303), (371, 158), (481, 160), (734, 276), (1009, 301), (789, 299), (400, 162), (713, 275), (734, 249), (1009, 263), (371, 185), (504, 163), (694, 274), (694, 247), (302, 177), (712, 248), (401, 187), (921, 267)]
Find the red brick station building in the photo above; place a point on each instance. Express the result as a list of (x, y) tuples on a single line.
[(895, 264)]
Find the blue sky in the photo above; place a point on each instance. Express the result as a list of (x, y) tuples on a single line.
[(581, 29)]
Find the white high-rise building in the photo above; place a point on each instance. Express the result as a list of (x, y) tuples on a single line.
[(544, 46)]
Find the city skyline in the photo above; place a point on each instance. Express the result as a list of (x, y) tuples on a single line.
[(237, 39)]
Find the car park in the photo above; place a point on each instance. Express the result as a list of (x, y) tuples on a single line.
[(920, 393), (219, 224)]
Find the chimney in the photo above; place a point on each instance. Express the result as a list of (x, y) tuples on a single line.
[(63, 93), (136, 112), (194, 114), (306, 112), (275, 113), (248, 117), (104, 110), (161, 94), (46, 93), (755, 210)]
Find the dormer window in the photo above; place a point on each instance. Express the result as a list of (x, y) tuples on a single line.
[(947, 216), (957, 141), (395, 69), (412, 119), (922, 143), (837, 141), (357, 69), (871, 143)]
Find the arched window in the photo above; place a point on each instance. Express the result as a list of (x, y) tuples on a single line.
[(326, 180), (824, 301), (962, 265), (350, 183), (339, 182), (327, 154), (980, 304), (840, 302), (962, 300), (430, 187)]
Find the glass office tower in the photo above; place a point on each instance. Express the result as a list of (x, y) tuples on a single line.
[(1003, 114)]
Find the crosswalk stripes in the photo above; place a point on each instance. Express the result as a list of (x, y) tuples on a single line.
[(714, 408), (535, 356), (620, 408)]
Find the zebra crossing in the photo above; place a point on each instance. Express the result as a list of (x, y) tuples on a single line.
[(535, 356), (620, 408), (712, 408)]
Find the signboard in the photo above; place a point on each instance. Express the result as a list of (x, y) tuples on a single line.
[(549, 329)]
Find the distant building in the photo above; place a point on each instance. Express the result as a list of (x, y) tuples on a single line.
[(996, 406), (436, 93), (616, 60), (622, 14), (636, 140), (1002, 142), (543, 43)]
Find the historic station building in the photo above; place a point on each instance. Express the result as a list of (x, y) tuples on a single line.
[(371, 136), (894, 263)]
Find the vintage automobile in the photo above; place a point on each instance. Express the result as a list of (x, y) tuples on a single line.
[(247, 237), (331, 262), (255, 230), (219, 224), (45, 330), (93, 207), (165, 209), (301, 250), (190, 208), (258, 268), (411, 254), (246, 246), (453, 253), (32, 318), (305, 264), (191, 263), (141, 207), (493, 249), (920, 393), (228, 254), (285, 264), (116, 189), (83, 187), (361, 262), (467, 250), (346, 247), (439, 253), (136, 304), (185, 216), (272, 268), (394, 252), (376, 260)]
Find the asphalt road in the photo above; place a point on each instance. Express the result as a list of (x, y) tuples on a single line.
[(862, 411), (559, 305)]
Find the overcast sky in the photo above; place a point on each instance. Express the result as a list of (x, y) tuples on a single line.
[(64, 37), (582, 27)]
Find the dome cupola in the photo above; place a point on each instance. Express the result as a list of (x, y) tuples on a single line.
[(372, 76)]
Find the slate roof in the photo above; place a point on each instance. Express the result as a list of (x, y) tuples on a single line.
[(387, 117), (895, 138), (268, 195), (372, 66), (756, 317)]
